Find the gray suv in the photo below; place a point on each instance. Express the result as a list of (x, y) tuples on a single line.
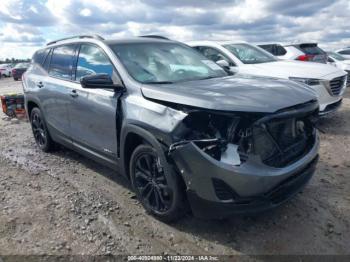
[(186, 134)]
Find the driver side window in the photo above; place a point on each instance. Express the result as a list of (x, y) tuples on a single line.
[(92, 60)]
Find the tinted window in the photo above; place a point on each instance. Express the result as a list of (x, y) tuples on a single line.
[(276, 50), (62, 61), (279, 50), (39, 56), (311, 49), (92, 60), (213, 54), (268, 48), (345, 52)]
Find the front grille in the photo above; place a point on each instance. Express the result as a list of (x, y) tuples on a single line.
[(336, 85), (282, 142)]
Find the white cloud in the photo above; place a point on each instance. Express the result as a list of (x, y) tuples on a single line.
[(24, 23)]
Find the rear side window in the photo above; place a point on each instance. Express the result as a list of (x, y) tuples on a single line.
[(311, 49), (39, 56), (268, 48), (279, 50), (276, 50), (62, 61), (92, 60)]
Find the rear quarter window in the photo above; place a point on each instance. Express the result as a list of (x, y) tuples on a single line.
[(62, 61), (39, 56)]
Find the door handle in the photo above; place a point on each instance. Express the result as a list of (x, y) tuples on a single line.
[(74, 93), (40, 84)]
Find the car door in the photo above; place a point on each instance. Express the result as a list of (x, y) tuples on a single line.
[(93, 112), (54, 90)]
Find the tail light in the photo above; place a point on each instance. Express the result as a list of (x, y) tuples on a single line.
[(305, 57)]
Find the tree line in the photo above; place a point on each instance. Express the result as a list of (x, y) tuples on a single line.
[(13, 61)]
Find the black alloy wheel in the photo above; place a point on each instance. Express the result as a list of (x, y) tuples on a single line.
[(159, 192), (40, 132), (151, 183)]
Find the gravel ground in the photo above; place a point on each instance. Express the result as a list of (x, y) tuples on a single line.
[(62, 203)]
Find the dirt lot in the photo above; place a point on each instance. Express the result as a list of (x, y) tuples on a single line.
[(62, 203)]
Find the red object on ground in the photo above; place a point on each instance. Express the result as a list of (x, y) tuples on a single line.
[(13, 105)]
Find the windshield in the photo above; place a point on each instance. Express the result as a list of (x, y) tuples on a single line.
[(165, 62), (336, 56), (250, 54)]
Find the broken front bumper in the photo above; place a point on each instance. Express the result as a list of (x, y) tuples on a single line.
[(217, 190)]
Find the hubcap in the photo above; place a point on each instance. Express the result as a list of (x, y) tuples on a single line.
[(39, 130), (151, 183)]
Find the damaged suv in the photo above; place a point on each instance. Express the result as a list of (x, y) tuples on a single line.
[(183, 131)]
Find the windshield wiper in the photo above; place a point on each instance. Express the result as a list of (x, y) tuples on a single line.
[(159, 82)]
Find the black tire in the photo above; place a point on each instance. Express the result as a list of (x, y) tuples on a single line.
[(161, 194), (40, 131), (15, 78)]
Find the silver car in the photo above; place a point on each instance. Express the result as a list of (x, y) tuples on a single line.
[(183, 131)]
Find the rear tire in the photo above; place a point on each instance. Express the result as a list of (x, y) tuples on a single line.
[(15, 78), (161, 194), (40, 131)]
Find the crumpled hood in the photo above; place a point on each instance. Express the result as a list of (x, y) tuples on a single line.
[(290, 68), (233, 93)]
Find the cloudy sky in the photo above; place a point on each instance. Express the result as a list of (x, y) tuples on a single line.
[(26, 25)]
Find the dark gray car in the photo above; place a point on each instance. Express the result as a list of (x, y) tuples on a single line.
[(174, 123)]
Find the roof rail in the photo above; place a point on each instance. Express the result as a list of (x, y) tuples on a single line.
[(77, 36), (155, 36)]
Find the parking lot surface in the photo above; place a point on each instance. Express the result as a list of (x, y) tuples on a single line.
[(63, 203)]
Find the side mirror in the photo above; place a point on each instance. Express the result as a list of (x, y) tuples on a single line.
[(98, 81), (223, 63)]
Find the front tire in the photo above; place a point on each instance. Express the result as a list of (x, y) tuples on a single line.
[(15, 78), (160, 193), (40, 131)]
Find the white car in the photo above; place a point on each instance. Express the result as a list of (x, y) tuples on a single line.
[(344, 52), (340, 62), (296, 51), (328, 81), (5, 70)]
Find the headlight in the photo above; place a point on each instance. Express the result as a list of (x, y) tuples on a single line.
[(308, 81)]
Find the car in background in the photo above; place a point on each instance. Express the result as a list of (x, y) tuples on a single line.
[(341, 62), (18, 70), (300, 51), (328, 81), (5, 70), (345, 52)]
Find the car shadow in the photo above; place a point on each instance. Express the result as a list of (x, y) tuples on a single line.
[(98, 168)]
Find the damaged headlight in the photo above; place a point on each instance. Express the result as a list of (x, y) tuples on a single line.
[(308, 81), (225, 137)]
